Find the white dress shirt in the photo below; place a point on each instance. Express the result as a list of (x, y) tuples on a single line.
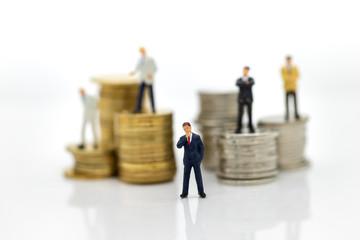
[(190, 138)]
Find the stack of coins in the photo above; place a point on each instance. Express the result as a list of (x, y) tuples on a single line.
[(145, 147), (117, 93), (91, 163), (218, 114), (248, 159), (291, 140)]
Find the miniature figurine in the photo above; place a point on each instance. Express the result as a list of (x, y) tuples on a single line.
[(146, 69), (290, 76), (193, 155), (90, 115), (245, 98)]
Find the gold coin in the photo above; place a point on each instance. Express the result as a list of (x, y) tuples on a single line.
[(70, 173), (144, 167)]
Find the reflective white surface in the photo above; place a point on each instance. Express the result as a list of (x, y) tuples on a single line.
[(37, 202)]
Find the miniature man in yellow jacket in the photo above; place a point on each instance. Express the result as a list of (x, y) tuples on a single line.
[(290, 76)]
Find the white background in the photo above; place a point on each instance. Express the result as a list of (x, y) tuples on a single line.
[(48, 49)]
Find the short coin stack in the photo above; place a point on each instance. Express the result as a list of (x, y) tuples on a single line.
[(248, 159), (291, 140), (218, 114), (117, 93), (145, 147), (91, 163)]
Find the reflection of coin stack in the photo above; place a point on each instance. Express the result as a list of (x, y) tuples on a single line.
[(117, 93), (217, 115), (291, 140), (248, 159), (91, 163), (145, 147)]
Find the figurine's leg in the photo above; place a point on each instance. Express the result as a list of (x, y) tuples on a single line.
[(93, 128), (140, 96), (287, 105), (295, 106), (198, 178), (240, 114), (249, 108), (82, 144), (152, 98), (187, 171)]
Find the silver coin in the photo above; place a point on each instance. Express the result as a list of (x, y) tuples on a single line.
[(246, 182)]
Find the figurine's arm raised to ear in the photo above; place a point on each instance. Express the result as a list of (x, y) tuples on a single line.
[(181, 142)]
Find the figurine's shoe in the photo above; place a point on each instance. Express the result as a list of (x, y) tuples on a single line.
[(297, 117), (95, 146), (251, 129), (238, 131), (286, 117), (183, 195), (136, 111), (202, 195), (81, 146), (153, 111)]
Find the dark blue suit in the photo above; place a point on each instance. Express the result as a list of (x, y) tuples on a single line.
[(193, 155)]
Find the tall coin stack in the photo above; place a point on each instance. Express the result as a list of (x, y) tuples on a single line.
[(145, 147), (218, 114), (248, 159), (117, 93), (291, 140), (91, 163)]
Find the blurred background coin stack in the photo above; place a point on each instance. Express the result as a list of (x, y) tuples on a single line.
[(248, 159), (291, 140), (117, 93), (144, 143), (91, 163), (218, 114)]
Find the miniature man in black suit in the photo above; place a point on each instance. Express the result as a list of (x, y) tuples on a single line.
[(245, 98), (193, 155)]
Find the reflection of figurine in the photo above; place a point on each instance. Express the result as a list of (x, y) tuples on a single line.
[(194, 229), (90, 115), (146, 69), (193, 155), (290, 76), (245, 98)]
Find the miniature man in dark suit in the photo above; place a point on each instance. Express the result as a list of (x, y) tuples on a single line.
[(245, 98), (193, 155)]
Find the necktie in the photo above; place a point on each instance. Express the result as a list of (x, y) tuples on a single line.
[(189, 140)]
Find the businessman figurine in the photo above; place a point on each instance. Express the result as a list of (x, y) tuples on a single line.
[(146, 69), (245, 98), (290, 76), (193, 155), (90, 114)]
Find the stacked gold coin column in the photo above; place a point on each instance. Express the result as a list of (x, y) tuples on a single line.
[(117, 93), (145, 147), (91, 163)]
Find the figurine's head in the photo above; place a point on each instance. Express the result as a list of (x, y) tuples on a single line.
[(246, 70), (288, 59), (142, 51), (82, 92), (187, 127)]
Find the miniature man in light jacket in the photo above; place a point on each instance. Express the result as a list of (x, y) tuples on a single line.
[(90, 115), (146, 69)]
